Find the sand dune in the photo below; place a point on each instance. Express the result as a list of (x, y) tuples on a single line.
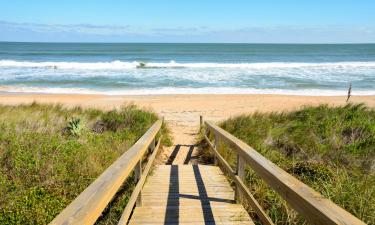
[(182, 111)]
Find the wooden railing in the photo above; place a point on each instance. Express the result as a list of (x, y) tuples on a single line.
[(310, 204), (89, 205)]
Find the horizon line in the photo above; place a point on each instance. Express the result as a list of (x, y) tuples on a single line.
[(265, 43)]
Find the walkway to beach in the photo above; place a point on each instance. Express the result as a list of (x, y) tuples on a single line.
[(188, 194), (183, 191)]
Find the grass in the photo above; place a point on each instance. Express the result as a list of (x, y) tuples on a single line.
[(331, 149), (49, 154)]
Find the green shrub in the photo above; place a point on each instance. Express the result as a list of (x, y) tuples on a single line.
[(74, 127), (42, 169), (331, 149)]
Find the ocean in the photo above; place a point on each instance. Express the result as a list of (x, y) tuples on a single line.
[(132, 69)]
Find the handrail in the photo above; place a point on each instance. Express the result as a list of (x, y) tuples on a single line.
[(136, 196), (88, 206), (309, 203), (240, 185)]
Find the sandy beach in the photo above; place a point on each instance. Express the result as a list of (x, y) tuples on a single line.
[(182, 111)]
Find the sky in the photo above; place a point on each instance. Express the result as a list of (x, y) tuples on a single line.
[(230, 21)]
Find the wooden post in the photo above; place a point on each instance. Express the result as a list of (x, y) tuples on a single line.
[(200, 122), (207, 132), (152, 146), (241, 174), (217, 146), (138, 175)]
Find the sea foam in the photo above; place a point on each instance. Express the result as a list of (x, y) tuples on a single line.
[(172, 90), (121, 65)]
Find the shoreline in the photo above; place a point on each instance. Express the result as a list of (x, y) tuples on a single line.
[(73, 99), (141, 91), (192, 91), (178, 94)]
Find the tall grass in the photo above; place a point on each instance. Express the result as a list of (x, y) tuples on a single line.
[(331, 149), (49, 154)]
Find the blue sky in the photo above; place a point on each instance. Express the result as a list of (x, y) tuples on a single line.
[(266, 21)]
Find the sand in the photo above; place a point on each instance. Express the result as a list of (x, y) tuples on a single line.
[(182, 111)]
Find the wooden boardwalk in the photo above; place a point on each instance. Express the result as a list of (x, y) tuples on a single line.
[(196, 194), (188, 194)]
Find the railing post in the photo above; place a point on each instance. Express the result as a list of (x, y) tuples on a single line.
[(217, 146), (241, 174), (138, 175), (152, 145)]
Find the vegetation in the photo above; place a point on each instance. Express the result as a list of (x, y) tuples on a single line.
[(331, 149), (49, 154)]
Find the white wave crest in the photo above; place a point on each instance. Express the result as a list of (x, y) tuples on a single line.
[(170, 90), (116, 65), (121, 65)]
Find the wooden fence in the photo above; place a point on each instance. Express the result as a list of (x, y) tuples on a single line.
[(315, 208)]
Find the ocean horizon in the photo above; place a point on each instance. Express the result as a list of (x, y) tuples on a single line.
[(182, 68)]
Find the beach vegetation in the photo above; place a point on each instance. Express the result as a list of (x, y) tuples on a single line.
[(74, 127), (49, 154), (331, 149)]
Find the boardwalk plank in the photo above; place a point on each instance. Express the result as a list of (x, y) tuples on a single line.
[(188, 194)]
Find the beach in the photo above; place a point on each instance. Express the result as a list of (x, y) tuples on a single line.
[(182, 112), (182, 81)]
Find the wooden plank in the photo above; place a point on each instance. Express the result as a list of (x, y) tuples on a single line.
[(183, 202), (88, 206), (177, 211), (241, 175), (196, 200), (189, 218), (193, 193), (309, 203), (187, 192), (201, 223), (138, 175)]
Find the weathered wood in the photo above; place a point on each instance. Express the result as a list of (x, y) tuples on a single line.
[(241, 174), (309, 203), (138, 174), (172, 199), (201, 223), (133, 200), (239, 184), (217, 146), (152, 145), (88, 206)]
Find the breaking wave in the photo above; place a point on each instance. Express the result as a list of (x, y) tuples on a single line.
[(121, 65)]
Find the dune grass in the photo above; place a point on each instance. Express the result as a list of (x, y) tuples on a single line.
[(49, 154), (331, 149)]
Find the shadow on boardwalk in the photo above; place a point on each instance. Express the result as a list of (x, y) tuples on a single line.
[(189, 156), (173, 201)]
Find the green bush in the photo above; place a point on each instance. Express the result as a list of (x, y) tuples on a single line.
[(331, 149), (74, 127), (42, 169)]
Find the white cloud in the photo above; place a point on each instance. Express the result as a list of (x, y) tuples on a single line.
[(125, 33)]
